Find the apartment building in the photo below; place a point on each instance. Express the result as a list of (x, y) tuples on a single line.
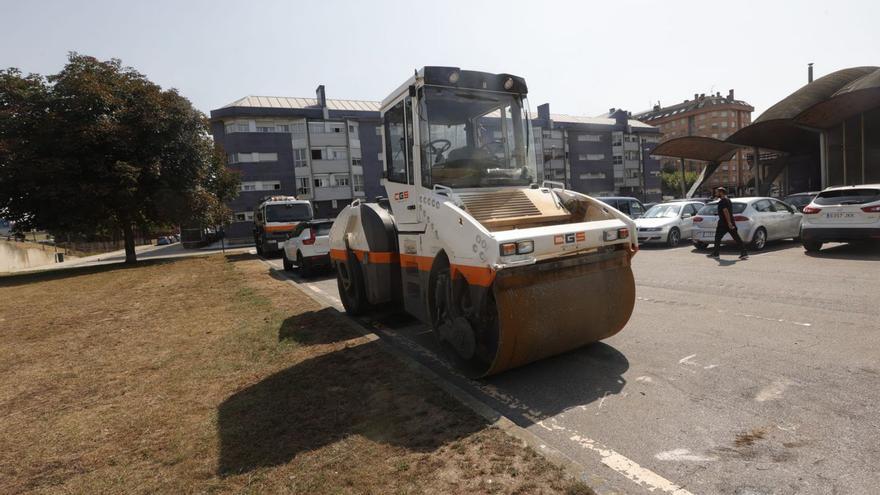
[(712, 116), (601, 156), (319, 149)]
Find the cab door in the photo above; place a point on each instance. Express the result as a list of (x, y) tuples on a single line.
[(400, 183)]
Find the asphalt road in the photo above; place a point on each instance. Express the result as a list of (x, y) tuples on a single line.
[(732, 377)]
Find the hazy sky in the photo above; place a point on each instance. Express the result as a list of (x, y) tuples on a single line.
[(581, 56)]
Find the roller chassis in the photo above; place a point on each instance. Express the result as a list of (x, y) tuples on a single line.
[(447, 275)]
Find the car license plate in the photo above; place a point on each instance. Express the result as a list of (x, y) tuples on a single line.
[(708, 235), (838, 215)]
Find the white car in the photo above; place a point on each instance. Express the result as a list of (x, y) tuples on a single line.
[(668, 223), (758, 220), (842, 214), (308, 247)]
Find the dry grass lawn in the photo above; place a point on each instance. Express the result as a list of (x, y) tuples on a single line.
[(208, 375)]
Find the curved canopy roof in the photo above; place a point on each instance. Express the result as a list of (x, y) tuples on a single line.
[(792, 124), (697, 148)]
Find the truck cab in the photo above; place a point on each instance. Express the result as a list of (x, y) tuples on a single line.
[(275, 217)]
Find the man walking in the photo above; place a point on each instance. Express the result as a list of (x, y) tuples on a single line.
[(726, 225)]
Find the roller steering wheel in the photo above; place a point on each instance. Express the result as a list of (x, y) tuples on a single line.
[(446, 144)]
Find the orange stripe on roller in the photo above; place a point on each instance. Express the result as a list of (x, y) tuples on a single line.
[(279, 228), (482, 276), (383, 257), (423, 263)]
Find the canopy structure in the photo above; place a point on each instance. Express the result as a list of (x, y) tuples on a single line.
[(792, 125)]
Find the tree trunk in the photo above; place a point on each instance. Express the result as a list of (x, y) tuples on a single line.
[(130, 255)]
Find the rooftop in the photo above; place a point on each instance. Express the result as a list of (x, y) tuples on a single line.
[(700, 101), (293, 102)]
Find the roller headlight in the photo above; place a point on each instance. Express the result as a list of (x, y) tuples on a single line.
[(518, 247)]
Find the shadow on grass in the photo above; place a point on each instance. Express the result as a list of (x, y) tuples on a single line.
[(359, 390), (311, 328), (16, 279), (235, 258)]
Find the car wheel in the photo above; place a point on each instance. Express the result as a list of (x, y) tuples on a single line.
[(674, 237), (812, 246), (700, 245), (351, 286), (288, 265), (259, 247), (304, 268), (759, 240)]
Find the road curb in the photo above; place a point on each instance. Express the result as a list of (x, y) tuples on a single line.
[(495, 418)]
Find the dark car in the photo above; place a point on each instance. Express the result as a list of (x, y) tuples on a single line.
[(631, 206), (799, 200)]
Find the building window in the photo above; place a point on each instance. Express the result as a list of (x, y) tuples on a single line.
[(302, 185), (316, 128), (317, 153), (272, 185), (593, 175), (335, 127), (593, 157), (244, 216), (298, 130), (356, 162), (341, 180), (265, 128), (593, 138), (617, 160), (617, 139), (321, 181), (358, 181), (337, 154), (300, 157)]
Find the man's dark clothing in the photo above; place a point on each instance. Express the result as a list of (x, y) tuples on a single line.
[(722, 228)]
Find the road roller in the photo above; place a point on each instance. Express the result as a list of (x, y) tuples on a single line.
[(505, 268)]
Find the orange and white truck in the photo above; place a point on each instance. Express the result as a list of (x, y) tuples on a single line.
[(275, 217)]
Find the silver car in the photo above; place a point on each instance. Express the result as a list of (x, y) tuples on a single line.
[(758, 220), (668, 223)]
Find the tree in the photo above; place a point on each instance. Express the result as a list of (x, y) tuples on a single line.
[(671, 180), (98, 147)]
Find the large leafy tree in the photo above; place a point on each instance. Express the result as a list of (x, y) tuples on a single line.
[(98, 147)]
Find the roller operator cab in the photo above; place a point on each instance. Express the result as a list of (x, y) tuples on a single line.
[(505, 270)]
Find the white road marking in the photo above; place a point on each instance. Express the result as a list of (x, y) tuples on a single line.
[(645, 379), (780, 320), (772, 391), (629, 468), (710, 366), (686, 359), (683, 455)]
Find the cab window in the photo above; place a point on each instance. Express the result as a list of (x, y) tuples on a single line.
[(397, 160)]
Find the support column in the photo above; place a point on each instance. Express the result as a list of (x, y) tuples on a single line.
[(683, 185), (758, 179)]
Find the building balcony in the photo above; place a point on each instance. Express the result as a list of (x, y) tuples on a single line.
[(328, 139), (329, 166), (332, 192)]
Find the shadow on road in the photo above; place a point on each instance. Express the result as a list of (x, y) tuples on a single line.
[(577, 378), (863, 251), (354, 391)]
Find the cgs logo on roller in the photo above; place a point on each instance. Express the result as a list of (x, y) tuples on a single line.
[(570, 238), (401, 196)]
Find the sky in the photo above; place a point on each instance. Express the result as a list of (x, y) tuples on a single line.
[(583, 57)]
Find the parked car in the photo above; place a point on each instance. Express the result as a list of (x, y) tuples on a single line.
[(631, 206), (163, 241), (799, 200), (308, 247), (758, 220), (668, 223), (842, 214)]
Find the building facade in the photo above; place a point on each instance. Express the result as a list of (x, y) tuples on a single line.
[(712, 116), (601, 156), (326, 151), (330, 152)]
